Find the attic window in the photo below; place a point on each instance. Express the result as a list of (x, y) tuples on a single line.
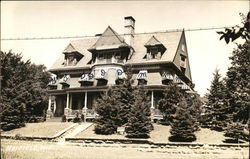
[(118, 55), (182, 47), (183, 63), (154, 51), (100, 56), (155, 48)]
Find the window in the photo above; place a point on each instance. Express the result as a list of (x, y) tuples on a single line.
[(154, 52), (65, 86), (108, 57), (166, 82), (102, 82), (142, 82), (183, 58), (118, 55), (119, 81), (86, 83), (182, 47), (100, 56)]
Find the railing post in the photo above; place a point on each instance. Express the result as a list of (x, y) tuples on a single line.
[(85, 106), (152, 108)]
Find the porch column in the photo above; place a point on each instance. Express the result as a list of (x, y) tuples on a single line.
[(86, 100), (70, 101), (67, 103), (67, 110), (84, 109), (49, 106), (49, 112), (152, 100), (54, 105)]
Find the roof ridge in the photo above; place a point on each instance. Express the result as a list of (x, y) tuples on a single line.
[(68, 48), (117, 35)]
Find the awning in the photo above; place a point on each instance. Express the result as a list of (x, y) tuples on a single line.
[(185, 87), (65, 80), (167, 76), (53, 80), (87, 78), (142, 75), (120, 74), (178, 80), (101, 73)]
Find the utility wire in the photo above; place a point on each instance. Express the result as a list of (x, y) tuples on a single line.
[(89, 36)]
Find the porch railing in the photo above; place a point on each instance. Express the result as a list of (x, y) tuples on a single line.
[(90, 113), (157, 114)]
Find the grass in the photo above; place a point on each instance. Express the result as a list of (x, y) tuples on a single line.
[(89, 133), (161, 133), (45, 129), (16, 149)]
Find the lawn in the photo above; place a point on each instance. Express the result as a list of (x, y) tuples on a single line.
[(89, 133), (160, 134), (45, 129), (17, 149)]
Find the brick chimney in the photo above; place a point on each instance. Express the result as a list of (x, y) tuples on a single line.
[(129, 30)]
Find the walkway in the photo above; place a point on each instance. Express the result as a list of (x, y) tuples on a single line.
[(73, 132)]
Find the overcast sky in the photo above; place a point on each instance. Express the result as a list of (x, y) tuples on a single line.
[(76, 18)]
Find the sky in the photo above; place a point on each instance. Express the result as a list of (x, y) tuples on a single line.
[(77, 18)]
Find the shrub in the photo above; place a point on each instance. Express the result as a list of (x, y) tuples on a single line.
[(64, 118), (76, 118), (139, 122), (82, 117), (236, 132), (183, 124)]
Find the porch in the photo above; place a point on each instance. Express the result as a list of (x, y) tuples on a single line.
[(78, 104), (73, 104)]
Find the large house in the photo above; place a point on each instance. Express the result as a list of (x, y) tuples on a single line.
[(87, 67)]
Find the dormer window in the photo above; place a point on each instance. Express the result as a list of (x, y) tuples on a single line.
[(183, 47), (72, 56), (101, 56), (118, 55), (109, 48), (155, 49), (183, 63)]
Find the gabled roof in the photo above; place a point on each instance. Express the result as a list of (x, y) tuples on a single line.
[(69, 49), (153, 42), (169, 39), (109, 39)]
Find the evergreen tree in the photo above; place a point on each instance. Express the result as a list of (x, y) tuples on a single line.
[(194, 104), (114, 106), (217, 103), (167, 105), (237, 83), (139, 122), (235, 132), (23, 91), (107, 108), (183, 124)]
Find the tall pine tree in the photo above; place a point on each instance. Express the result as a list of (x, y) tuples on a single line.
[(23, 91), (217, 103), (139, 122), (107, 107), (114, 106), (237, 83), (194, 104), (183, 124), (167, 105)]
